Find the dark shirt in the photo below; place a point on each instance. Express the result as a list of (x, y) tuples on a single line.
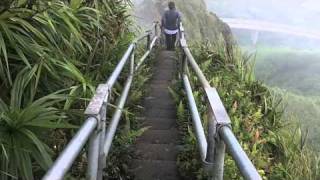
[(171, 19)]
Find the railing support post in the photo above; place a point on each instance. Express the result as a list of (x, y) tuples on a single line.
[(218, 162), (216, 150), (217, 118), (184, 61), (183, 65), (102, 158), (156, 28), (93, 155), (97, 108), (132, 63), (148, 40)]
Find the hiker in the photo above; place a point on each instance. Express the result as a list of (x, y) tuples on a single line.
[(170, 25)]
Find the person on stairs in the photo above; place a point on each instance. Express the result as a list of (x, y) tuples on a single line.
[(170, 25)]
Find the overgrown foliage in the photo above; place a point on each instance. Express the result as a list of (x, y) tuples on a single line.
[(294, 74), (52, 55), (130, 128), (256, 120), (295, 70)]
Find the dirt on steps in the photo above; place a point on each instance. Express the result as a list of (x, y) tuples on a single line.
[(155, 152)]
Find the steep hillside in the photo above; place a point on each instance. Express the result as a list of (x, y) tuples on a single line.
[(255, 113), (200, 25)]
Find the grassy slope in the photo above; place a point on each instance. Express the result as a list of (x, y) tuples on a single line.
[(256, 117), (294, 74), (294, 70), (256, 120), (277, 154), (304, 111), (200, 25)]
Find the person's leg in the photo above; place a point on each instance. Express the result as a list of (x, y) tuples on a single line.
[(174, 38), (168, 41), (172, 41)]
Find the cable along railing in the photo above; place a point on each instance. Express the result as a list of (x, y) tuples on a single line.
[(94, 127), (212, 148)]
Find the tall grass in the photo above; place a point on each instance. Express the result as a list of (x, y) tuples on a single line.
[(52, 55), (256, 116), (294, 74)]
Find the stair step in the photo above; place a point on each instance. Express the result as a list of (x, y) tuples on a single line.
[(159, 137), (160, 85), (146, 151), (149, 100), (165, 67), (157, 123), (160, 93), (159, 105), (161, 113), (155, 151), (161, 81), (155, 170), (161, 76)]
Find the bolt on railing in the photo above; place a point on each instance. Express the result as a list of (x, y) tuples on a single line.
[(94, 128), (212, 148)]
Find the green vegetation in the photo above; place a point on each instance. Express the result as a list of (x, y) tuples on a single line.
[(294, 74), (200, 25), (291, 69), (256, 116), (53, 53), (129, 128), (302, 110)]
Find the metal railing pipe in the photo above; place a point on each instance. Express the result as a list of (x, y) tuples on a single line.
[(115, 74), (181, 31), (153, 42), (69, 154), (148, 32), (93, 155), (202, 141), (142, 60), (140, 38), (244, 164), (146, 54), (116, 117), (94, 126), (148, 41), (132, 68), (196, 68), (218, 163)]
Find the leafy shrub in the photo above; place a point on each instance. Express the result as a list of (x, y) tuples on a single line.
[(52, 55), (256, 120)]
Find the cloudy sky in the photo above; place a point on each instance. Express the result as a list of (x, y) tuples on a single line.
[(292, 12)]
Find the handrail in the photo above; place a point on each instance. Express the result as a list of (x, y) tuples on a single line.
[(94, 128), (212, 147)]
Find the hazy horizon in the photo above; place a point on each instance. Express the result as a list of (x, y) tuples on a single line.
[(291, 12)]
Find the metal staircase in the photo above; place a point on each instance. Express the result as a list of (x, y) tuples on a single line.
[(99, 136)]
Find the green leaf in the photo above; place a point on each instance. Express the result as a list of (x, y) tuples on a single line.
[(75, 4), (41, 148)]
